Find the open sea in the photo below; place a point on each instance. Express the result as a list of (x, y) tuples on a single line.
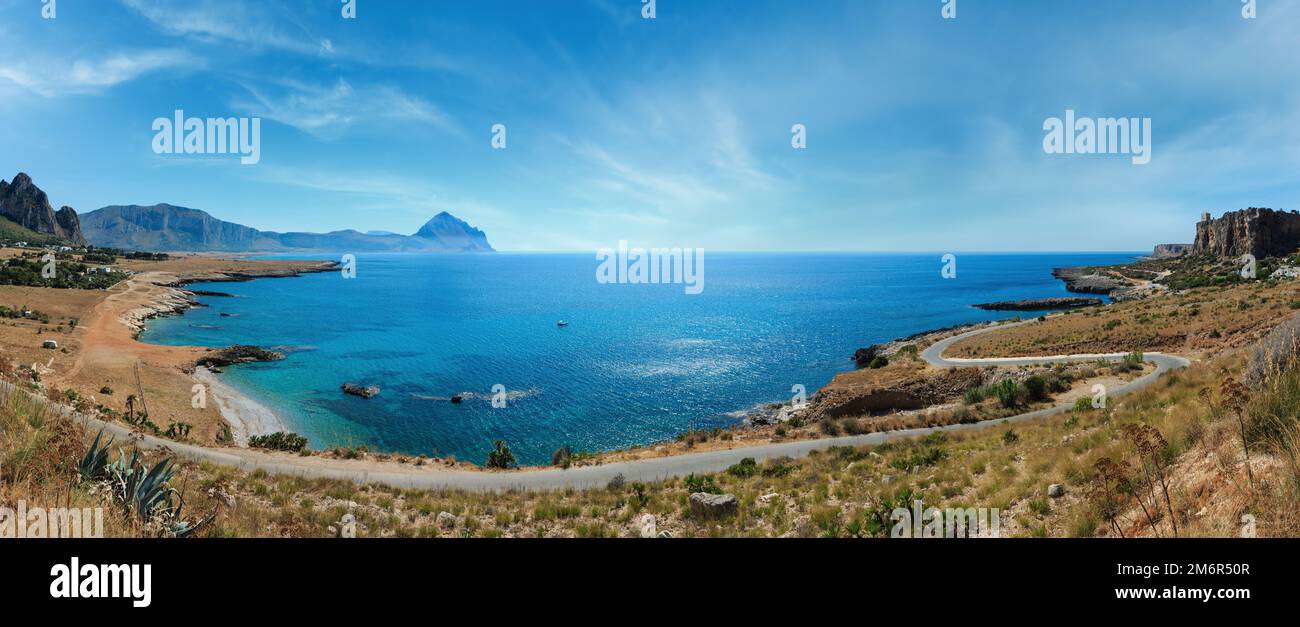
[(637, 363)]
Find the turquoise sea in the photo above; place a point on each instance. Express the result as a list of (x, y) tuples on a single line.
[(636, 364)]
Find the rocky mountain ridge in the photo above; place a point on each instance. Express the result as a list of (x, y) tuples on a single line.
[(165, 227), (26, 205)]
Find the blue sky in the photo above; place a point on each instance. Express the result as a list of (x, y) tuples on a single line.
[(923, 134)]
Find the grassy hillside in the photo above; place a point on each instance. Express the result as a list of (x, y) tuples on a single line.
[(11, 232), (843, 492)]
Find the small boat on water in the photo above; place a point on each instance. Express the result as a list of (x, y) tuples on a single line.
[(562, 323)]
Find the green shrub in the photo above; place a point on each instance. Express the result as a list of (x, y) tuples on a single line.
[(702, 483), (562, 457), (746, 468), (500, 456), (279, 441), (1036, 388), (1009, 393)]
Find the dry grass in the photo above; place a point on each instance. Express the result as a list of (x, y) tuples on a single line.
[(1200, 320)]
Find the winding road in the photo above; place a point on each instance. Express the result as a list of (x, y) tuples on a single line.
[(432, 477)]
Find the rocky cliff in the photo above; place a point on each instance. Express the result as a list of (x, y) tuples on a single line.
[(26, 205), (168, 227), (1257, 231), (1170, 250)]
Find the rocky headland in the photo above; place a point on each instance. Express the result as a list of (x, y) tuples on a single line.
[(1088, 280)]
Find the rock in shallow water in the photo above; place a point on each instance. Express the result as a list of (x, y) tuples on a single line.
[(358, 390)]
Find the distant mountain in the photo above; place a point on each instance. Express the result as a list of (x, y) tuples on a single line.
[(166, 227), (24, 204), (453, 233)]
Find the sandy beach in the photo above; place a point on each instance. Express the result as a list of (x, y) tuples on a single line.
[(246, 416)]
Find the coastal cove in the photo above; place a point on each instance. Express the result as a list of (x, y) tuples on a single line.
[(637, 363)]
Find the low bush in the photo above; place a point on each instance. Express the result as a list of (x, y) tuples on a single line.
[(279, 441)]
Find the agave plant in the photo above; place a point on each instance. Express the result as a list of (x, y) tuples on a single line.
[(95, 462), (145, 491)]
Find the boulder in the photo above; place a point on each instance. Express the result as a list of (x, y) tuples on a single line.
[(705, 505), (359, 390), (446, 520), (647, 526), (1056, 490)]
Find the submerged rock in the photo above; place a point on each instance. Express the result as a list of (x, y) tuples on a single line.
[(359, 390)]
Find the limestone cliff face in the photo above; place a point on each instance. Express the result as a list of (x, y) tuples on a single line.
[(25, 204), (1170, 250), (1257, 231)]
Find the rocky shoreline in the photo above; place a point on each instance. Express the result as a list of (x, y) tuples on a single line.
[(1040, 304), (176, 299)]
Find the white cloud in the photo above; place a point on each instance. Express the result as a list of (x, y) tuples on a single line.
[(327, 111), (82, 76), (224, 21)]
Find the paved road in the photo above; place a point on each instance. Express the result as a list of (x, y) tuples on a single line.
[(405, 476)]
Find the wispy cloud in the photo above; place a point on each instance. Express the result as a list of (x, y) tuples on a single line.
[(226, 21), (43, 76), (327, 111)]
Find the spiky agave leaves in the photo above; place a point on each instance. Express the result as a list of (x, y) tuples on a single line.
[(94, 463), (141, 489), (146, 491)]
